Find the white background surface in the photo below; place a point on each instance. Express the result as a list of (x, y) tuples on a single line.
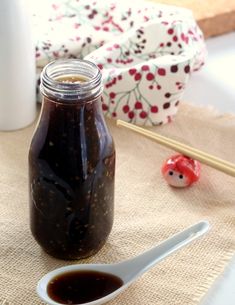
[(215, 85)]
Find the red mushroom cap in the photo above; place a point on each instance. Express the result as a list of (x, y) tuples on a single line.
[(185, 165)]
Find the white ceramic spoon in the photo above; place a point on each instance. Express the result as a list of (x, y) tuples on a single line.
[(130, 269)]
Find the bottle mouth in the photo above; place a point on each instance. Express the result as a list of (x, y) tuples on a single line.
[(71, 80)]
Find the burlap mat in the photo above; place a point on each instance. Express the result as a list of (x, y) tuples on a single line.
[(147, 211)]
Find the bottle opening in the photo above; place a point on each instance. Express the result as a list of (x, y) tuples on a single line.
[(71, 80)]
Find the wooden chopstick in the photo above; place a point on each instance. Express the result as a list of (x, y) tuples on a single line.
[(210, 160), (152, 135)]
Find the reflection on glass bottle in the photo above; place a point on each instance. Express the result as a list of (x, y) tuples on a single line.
[(71, 163)]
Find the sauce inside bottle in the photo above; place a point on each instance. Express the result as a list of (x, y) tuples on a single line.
[(78, 287), (71, 165), (72, 79)]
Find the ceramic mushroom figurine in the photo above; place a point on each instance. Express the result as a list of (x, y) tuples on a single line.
[(181, 171)]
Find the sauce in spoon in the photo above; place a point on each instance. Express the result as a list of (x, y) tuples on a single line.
[(78, 287), (99, 283)]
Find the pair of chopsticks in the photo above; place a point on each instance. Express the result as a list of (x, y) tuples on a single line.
[(203, 157)]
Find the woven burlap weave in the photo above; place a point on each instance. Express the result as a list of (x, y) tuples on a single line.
[(147, 211)]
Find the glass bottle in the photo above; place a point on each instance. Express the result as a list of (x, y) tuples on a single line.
[(71, 163)]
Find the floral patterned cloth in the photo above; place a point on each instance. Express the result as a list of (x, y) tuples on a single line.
[(146, 51)]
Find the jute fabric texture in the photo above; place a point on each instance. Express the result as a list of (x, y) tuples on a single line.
[(147, 211)]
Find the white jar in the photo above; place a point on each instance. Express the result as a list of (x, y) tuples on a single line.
[(17, 67)]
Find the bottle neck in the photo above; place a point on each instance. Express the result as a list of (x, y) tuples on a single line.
[(71, 81), (70, 117)]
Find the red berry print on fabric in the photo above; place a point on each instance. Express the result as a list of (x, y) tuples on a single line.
[(177, 103), (138, 76), (132, 71), (166, 105), (145, 68), (154, 109), (139, 95), (131, 114), (55, 6), (187, 69), (170, 31), (112, 94), (143, 114), (180, 85), (105, 107), (161, 72), (138, 105), (150, 76), (125, 108), (100, 66), (174, 68), (167, 95)]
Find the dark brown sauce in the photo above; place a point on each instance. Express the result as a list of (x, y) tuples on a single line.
[(72, 79), (71, 170), (78, 287)]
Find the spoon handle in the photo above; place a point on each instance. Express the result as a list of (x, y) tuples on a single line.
[(140, 264)]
